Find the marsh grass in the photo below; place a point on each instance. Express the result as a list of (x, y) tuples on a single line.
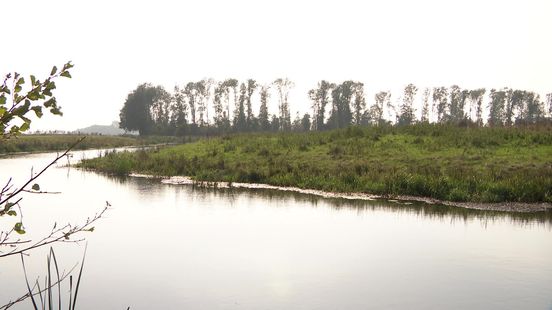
[(439, 161), (42, 143), (50, 296)]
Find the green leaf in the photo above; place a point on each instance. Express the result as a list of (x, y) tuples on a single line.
[(14, 129), (25, 119), (33, 95), (33, 80), (56, 111), (24, 127), (18, 98), (17, 88), (68, 65), (12, 213), (66, 74), (36, 187), (54, 70), (37, 110), (8, 206), (18, 227), (3, 100), (50, 102), (20, 81), (51, 85), (21, 110)]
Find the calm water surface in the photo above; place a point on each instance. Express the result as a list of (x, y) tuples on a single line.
[(176, 247)]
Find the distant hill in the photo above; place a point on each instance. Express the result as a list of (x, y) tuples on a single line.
[(107, 130)]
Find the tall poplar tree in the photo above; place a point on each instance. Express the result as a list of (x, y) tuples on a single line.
[(457, 103), (320, 97), (549, 104), (440, 103), (250, 118), (342, 95), (406, 116), (240, 122), (179, 112), (230, 86), (359, 103), (264, 120), (476, 103), (382, 101), (425, 106), (496, 107), (283, 86)]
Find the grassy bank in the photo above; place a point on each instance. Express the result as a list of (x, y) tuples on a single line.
[(43, 143), (438, 161)]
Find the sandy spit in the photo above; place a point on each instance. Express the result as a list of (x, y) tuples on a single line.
[(501, 206)]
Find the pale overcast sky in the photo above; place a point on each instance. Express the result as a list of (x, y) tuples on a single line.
[(116, 45)]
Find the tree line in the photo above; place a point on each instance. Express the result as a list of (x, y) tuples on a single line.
[(216, 107)]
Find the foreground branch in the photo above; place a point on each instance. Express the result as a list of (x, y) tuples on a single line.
[(61, 234), (34, 177)]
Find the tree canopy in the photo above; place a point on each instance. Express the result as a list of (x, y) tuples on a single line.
[(147, 107), (244, 106)]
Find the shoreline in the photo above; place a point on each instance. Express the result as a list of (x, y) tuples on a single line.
[(519, 207), (101, 148)]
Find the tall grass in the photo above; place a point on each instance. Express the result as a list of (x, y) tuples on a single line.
[(439, 161), (44, 297), (40, 143)]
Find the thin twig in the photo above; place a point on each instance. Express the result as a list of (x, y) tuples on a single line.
[(42, 171), (6, 187), (39, 192), (59, 235)]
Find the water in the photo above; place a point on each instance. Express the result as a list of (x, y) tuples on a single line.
[(178, 247)]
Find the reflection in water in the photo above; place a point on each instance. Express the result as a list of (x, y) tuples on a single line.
[(430, 211)]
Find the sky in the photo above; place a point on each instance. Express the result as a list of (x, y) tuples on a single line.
[(117, 45)]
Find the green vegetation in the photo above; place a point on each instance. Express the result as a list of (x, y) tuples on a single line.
[(479, 164), (41, 143)]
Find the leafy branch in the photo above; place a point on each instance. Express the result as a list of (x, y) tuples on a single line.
[(16, 104)]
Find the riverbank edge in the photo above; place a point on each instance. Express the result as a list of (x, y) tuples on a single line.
[(103, 148), (519, 207)]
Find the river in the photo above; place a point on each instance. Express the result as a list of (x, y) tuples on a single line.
[(178, 247)]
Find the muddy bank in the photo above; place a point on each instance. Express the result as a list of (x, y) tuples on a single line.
[(501, 206)]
